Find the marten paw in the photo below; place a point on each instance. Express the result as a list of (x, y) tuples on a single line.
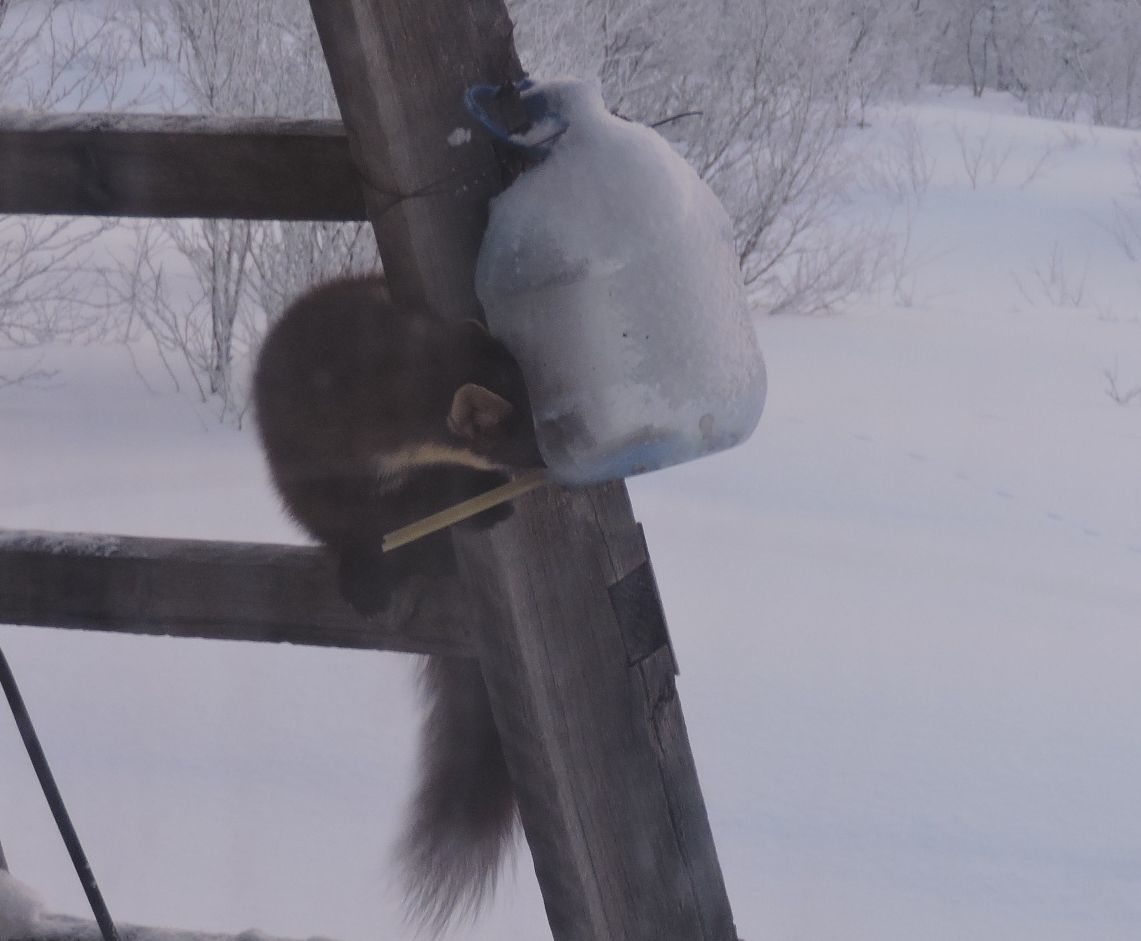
[(363, 581)]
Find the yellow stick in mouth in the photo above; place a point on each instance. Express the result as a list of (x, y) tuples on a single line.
[(525, 483)]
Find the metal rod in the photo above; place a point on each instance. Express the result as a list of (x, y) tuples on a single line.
[(55, 801)]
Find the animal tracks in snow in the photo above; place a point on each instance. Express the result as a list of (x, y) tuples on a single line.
[(1001, 493)]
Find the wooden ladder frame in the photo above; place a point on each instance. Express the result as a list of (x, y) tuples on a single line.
[(575, 652)]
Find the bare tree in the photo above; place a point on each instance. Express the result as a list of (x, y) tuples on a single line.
[(1118, 392), (41, 271), (1109, 70), (232, 57), (1068, 59), (883, 39), (770, 150), (291, 256), (64, 55), (56, 55)]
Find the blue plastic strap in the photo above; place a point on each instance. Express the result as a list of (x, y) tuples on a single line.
[(536, 105)]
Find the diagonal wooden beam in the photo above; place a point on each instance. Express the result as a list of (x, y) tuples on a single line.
[(177, 166), (399, 71), (573, 646), (215, 590)]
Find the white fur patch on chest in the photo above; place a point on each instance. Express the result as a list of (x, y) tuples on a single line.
[(395, 467)]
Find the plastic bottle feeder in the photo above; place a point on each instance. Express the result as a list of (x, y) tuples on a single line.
[(608, 269)]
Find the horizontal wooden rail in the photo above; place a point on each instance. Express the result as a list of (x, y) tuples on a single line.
[(177, 166), (216, 590)]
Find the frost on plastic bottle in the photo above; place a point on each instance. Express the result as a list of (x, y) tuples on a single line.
[(609, 271)]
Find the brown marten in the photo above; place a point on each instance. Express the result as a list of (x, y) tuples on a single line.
[(373, 415)]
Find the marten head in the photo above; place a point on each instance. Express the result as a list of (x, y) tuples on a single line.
[(351, 386), (490, 412)]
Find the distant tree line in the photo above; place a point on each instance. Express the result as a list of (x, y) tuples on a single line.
[(1067, 59)]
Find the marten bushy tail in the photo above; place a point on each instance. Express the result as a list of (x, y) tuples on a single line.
[(463, 813)]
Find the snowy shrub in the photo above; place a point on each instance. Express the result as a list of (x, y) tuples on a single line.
[(55, 55), (234, 58), (765, 90)]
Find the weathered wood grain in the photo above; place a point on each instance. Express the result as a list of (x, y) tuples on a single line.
[(399, 70), (177, 166), (593, 727), (634, 593), (215, 590), (607, 789)]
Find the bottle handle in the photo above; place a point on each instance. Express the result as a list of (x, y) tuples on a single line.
[(477, 97)]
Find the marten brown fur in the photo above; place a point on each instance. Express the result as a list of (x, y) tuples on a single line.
[(373, 415)]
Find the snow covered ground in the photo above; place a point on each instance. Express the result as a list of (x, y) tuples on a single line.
[(908, 611)]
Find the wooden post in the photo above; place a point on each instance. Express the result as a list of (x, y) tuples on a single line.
[(399, 70), (574, 653)]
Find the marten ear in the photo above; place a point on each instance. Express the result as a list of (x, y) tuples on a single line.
[(476, 410)]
